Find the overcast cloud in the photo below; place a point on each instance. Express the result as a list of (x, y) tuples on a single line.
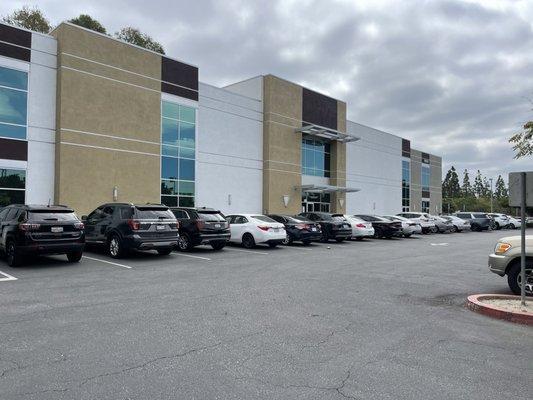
[(454, 77)]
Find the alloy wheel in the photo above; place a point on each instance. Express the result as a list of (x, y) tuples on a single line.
[(183, 242), (529, 281), (10, 252), (114, 246)]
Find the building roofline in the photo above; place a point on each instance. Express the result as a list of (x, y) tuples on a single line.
[(124, 42), (29, 30), (305, 87), (245, 80)]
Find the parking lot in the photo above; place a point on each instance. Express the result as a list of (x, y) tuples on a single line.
[(373, 319)]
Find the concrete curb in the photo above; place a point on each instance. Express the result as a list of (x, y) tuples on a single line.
[(475, 303)]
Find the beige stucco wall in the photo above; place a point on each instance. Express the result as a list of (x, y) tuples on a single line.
[(108, 120), (416, 180), (281, 145), (338, 163)]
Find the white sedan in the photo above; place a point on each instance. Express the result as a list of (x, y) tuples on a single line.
[(514, 223), (252, 229), (360, 228), (459, 224), (409, 227)]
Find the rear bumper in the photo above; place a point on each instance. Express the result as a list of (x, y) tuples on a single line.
[(362, 232), (140, 243), (305, 236), (340, 233), (205, 238), (50, 248), (498, 264)]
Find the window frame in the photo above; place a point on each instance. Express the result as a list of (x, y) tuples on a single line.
[(27, 91)]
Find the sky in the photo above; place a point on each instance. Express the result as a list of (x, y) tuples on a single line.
[(454, 77)]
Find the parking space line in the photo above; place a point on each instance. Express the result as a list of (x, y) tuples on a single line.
[(7, 277), (191, 256), (295, 248), (247, 251), (107, 262)]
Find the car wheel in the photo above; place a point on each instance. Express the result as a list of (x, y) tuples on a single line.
[(287, 240), (74, 256), (115, 247), (184, 242), (218, 245), (511, 226), (306, 242), (13, 260), (339, 240), (514, 278), (407, 235), (359, 238), (455, 229), (165, 251), (248, 241), (434, 229), (496, 226), (273, 245)]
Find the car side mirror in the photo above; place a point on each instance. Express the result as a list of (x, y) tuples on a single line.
[(84, 218)]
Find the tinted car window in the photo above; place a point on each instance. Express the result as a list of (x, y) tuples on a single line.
[(51, 216), (153, 213), (211, 216), (126, 212), (3, 213), (11, 214), (180, 214), (239, 220), (263, 218), (481, 216)]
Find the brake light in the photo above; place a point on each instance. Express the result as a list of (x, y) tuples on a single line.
[(264, 228), (29, 227), (361, 225), (79, 225), (134, 224), (200, 224)]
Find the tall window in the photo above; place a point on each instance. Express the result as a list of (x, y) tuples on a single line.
[(315, 157), (12, 186), (406, 184), (178, 139), (425, 206), (425, 180), (13, 103)]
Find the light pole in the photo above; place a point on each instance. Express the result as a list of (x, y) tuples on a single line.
[(490, 179)]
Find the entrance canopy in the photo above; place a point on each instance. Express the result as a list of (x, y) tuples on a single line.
[(326, 189), (327, 133)]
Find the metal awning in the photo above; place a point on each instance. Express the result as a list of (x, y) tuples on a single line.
[(326, 189), (327, 133)]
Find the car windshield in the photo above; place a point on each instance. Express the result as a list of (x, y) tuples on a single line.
[(154, 213), (480, 216), (37, 215), (298, 218), (263, 218), (210, 216)]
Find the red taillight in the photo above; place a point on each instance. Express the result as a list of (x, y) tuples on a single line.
[(200, 224), (134, 224), (79, 225), (175, 225), (29, 227), (361, 225), (264, 228)]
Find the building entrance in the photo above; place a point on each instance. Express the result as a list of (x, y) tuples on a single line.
[(316, 202)]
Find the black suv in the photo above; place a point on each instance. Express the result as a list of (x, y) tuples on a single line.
[(298, 229), (201, 225), (125, 226), (332, 227), (479, 221), (34, 230), (383, 228)]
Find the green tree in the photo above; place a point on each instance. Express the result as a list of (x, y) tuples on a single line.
[(479, 187), (486, 187), (466, 188), (523, 141), (446, 185), (455, 188), (29, 18), (88, 22), (135, 36), (501, 189)]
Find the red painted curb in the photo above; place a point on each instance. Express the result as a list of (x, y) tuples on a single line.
[(475, 303)]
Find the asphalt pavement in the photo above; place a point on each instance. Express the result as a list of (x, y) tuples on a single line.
[(378, 319)]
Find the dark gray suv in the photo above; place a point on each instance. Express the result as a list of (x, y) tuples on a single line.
[(124, 226)]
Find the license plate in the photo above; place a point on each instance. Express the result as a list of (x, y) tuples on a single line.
[(160, 227), (313, 229), (217, 225), (57, 229), (276, 229)]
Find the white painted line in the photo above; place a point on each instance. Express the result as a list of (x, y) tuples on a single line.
[(246, 251), (7, 277), (439, 244), (107, 262), (295, 248), (191, 256)]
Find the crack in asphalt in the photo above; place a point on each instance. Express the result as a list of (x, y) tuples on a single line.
[(169, 357)]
